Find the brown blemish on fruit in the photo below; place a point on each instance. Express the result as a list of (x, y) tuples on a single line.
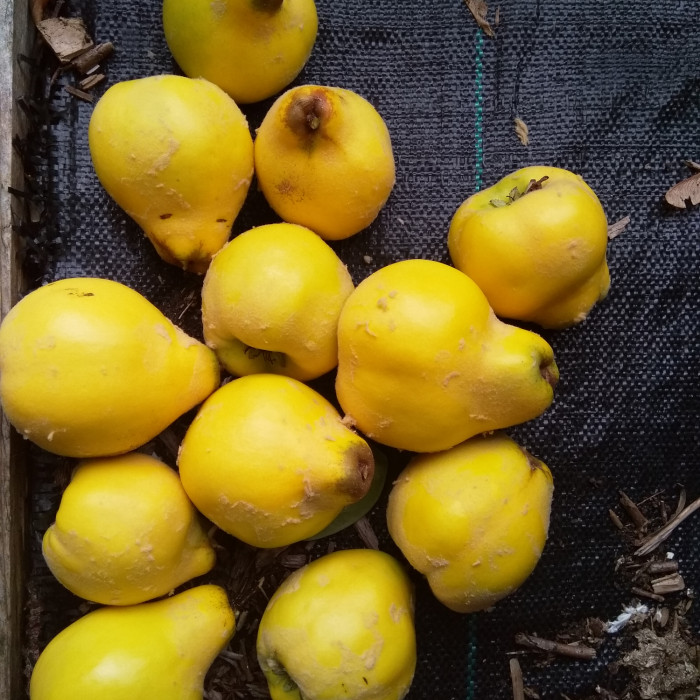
[(165, 216), (532, 461), (285, 187)]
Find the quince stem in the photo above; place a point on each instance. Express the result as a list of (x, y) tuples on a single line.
[(515, 193)]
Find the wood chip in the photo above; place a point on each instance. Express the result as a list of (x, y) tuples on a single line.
[(479, 10), (521, 131), (66, 36), (516, 678), (80, 94), (614, 230), (673, 583), (91, 81), (685, 193), (636, 515), (573, 651)]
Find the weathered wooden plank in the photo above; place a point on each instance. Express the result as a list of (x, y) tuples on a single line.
[(16, 31)]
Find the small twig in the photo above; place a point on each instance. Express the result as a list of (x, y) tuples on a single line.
[(663, 567), (642, 593), (618, 227), (649, 544), (574, 651), (636, 515), (516, 678), (92, 57)]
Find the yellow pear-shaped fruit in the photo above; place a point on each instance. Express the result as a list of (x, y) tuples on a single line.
[(271, 301), (177, 155), (159, 650), (250, 48), (423, 362), (269, 460), (125, 532), (340, 627), (323, 159), (90, 368), (473, 519), (535, 243)]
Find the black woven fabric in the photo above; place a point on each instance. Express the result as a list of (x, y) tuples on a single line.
[(610, 90)]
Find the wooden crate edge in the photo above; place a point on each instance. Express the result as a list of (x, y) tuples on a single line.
[(16, 36)]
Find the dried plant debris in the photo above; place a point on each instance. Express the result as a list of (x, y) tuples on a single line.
[(68, 39), (479, 10), (516, 679), (521, 131), (614, 230), (664, 665), (67, 36), (574, 650), (686, 193), (657, 656)]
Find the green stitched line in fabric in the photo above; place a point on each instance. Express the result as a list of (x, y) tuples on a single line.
[(478, 107), (478, 170)]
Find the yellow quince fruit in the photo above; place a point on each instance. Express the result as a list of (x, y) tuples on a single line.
[(177, 155), (423, 362), (340, 627), (90, 368), (323, 159), (271, 300), (125, 532), (535, 242), (473, 519), (270, 461), (161, 649), (250, 48)]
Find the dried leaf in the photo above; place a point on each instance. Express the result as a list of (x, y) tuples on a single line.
[(521, 131), (685, 193), (479, 10)]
